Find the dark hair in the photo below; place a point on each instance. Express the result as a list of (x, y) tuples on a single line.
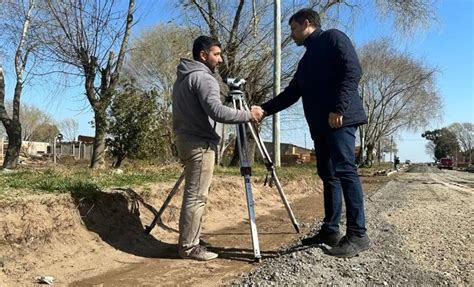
[(203, 43), (306, 14)]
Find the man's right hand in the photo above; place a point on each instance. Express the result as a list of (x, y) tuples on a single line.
[(257, 113)]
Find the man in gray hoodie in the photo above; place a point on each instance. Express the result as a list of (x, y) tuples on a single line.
[(196, 109)]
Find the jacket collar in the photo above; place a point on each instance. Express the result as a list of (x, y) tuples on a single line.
[(312, 36)]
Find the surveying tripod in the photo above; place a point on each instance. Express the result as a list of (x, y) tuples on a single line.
[(236, 96)]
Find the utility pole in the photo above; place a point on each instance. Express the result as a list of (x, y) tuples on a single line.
[(54, 150), (362, 145), (391, 147), (362, 137), (276, 81), (379, 153), (470, 155)]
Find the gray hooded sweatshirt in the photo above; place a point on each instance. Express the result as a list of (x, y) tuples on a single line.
[(197, 104)]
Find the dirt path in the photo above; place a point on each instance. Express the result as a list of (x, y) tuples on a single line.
[(232, 243), (421, 227)]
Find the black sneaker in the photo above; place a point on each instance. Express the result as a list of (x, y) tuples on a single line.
[(323, 236), (350, 246)]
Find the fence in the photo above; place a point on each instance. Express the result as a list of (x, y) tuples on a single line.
[(77, 150)]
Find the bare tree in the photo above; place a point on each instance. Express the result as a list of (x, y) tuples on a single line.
[(409, 15), (430, 149), (12, 124), (154, 56), (30, 118), (398, 93), (33, 122), (465, 134), (45, 132), (82, 35), (69, 129)]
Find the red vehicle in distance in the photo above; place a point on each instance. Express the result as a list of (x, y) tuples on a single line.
[(446, 162)]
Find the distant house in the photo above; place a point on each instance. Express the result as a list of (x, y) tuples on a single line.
[(292, 154), (34, 148), (29, 148), (289, 153), (85, 139)]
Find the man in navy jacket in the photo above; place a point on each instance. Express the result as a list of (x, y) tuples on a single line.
[(327, 80)]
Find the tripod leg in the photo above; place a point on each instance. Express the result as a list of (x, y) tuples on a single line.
[(285, 201), (148, 228), (271, 168), (246, 171), (253, 224)]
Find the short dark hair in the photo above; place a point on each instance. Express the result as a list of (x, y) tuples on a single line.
[(203, 43), (306, 14)]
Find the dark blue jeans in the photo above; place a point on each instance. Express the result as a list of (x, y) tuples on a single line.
[(335, 159)]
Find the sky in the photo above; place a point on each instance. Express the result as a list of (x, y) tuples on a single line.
[(447, 45)]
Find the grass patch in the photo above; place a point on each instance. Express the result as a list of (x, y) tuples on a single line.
[(84, 180), (81, 180)]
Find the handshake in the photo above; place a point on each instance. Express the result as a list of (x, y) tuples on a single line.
[(257, 114)]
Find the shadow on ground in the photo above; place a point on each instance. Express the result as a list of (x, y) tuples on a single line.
[(115, 217)]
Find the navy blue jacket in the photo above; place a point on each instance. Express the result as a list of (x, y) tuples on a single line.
[(327, 78)]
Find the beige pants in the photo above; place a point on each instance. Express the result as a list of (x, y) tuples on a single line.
[(198, 158)]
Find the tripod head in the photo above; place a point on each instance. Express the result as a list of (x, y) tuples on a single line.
[(235, 89), (235, 83)]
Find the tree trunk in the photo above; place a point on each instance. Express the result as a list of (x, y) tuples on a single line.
[(118, 162), (251, 152), (12, 126), (14, 145), (369, 159), (98, 153)]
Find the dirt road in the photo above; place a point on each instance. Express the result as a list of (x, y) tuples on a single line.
[(421, 227)]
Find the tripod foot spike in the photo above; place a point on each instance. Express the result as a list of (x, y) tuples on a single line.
[(297, 228)]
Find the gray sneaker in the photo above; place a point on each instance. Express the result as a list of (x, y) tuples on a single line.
[(198, 252)]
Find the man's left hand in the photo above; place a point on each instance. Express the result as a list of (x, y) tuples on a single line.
[(335, 120)]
